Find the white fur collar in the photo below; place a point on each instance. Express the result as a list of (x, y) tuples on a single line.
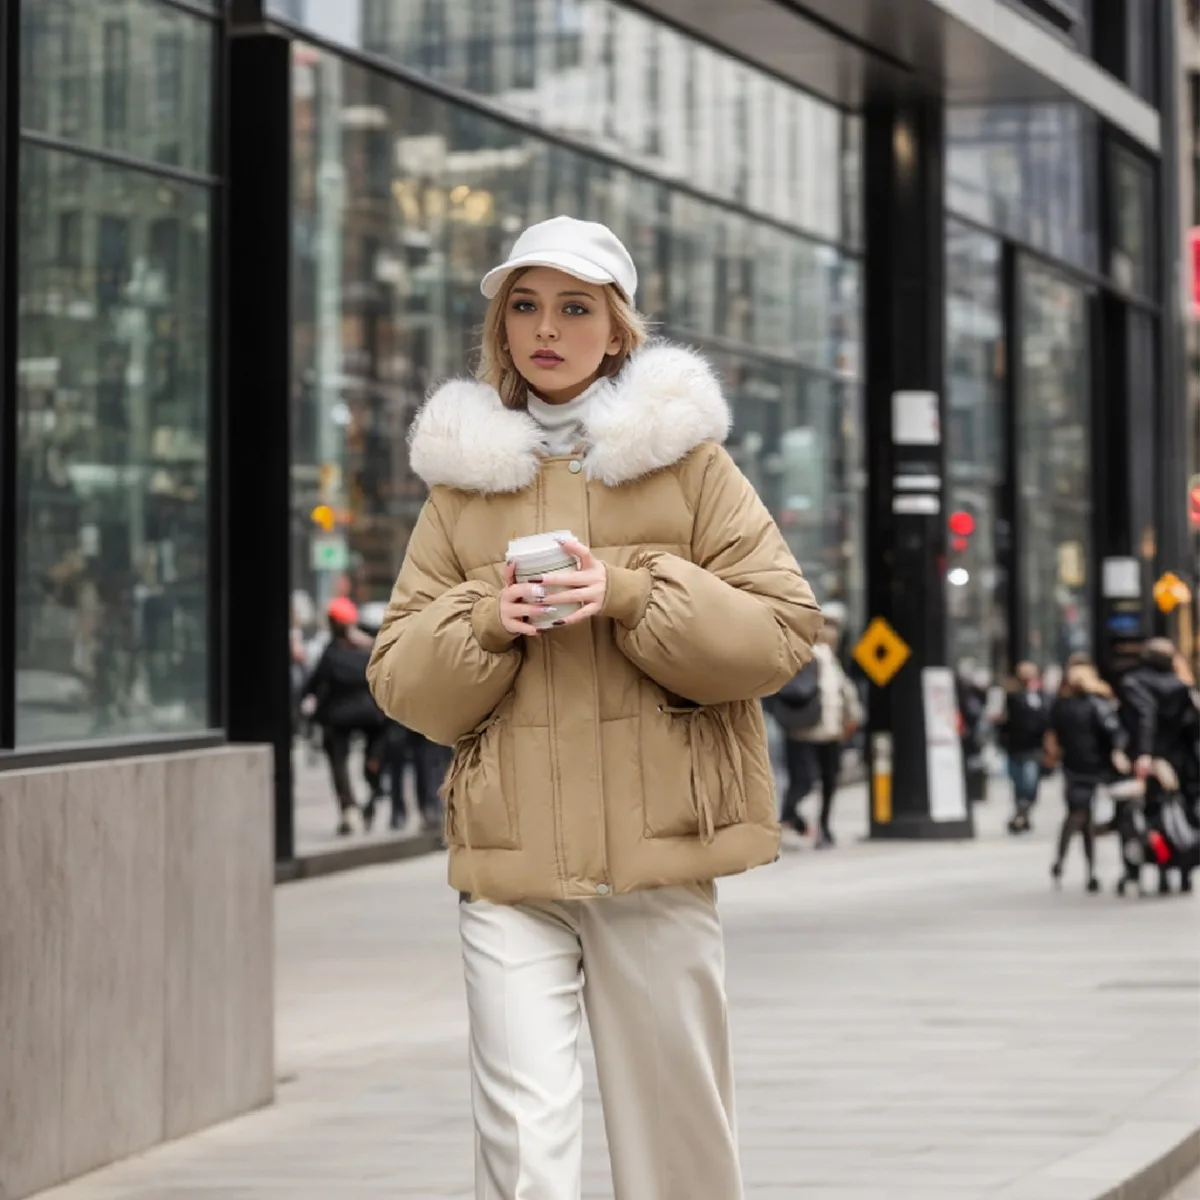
[(662, 406)]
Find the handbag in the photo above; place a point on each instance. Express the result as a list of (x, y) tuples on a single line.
[(797, 705)]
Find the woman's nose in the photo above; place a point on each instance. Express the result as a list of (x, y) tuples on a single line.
[(547, 329)]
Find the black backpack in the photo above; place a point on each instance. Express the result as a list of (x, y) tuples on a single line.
[(797, 705)]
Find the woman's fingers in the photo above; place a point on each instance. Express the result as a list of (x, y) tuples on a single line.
[(587, 560), (586, 613)]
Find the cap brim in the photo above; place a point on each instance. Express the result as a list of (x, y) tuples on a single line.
[(572, 264)]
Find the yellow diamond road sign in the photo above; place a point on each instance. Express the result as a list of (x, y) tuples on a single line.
[(881, 653)]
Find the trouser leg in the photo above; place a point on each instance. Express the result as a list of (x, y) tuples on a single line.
[(654, 971), (337, 750), (799, 781), (522, 968), (829, 760)]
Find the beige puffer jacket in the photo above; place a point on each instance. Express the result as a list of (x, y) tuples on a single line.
[(628, 751)]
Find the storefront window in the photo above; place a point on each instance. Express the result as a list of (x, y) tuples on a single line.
[(112, 422), (605, 75), (975, 451), (1054, 467), (133, 76), (401, 199), (1028, 171)]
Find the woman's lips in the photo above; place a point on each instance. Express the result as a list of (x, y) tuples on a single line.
[(547, 358)]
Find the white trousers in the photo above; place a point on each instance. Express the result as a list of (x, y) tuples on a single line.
[(650, 969)]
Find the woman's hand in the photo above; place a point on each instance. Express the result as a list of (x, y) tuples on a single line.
[(587, 587), (520, 603)]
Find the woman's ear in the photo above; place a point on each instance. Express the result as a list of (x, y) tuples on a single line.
[(614, 344)]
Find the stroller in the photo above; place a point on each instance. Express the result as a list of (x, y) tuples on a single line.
[(1155, 830)]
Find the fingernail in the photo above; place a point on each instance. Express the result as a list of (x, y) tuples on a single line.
[(557, 623), (537, 579)]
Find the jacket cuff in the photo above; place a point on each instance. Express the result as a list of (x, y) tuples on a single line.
[(485, 622), (627, 595)]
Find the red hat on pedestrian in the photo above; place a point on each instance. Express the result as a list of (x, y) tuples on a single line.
[(343, 610)]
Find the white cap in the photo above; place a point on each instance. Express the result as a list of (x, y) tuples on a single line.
[(584, 249)]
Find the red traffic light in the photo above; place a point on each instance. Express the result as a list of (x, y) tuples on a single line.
[(962, 524)]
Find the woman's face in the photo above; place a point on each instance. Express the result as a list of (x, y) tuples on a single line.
[(559, 330)]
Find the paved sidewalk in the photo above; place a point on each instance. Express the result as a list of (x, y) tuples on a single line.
[(912, 1022)]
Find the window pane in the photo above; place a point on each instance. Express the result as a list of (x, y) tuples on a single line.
[(1027, 170), (1132, 253), (133, 76), (401, 201), (113, 397), (607, 76), (1054, 466), (976, 449)]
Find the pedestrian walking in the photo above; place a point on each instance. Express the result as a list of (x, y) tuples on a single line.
[(610, 752), (1160, 715), (1022, 732), (819, 745), (339, 700), (1086, 738)]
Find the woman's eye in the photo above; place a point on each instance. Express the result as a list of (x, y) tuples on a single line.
[(575, 310), (522, 306)]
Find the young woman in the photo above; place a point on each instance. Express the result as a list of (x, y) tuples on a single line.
[(1087, 738), (609, 768)]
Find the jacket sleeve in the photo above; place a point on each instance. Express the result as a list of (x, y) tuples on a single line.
[(442, 660), (735, 623)]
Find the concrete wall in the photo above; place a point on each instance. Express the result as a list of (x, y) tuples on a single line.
[(136, 956)]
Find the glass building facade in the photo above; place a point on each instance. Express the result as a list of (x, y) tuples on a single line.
[(114, 371)]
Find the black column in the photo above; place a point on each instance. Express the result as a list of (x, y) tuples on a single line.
[(906, 538), (257, 421)]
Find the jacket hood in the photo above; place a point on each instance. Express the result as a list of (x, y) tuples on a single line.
[(665, 403)]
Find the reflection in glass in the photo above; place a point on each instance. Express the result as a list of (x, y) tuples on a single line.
[(1054, 510), (975, 448), (402, 198), (1027, 170), (608, 76), (113, 387), (133, 76), (1131, 264)]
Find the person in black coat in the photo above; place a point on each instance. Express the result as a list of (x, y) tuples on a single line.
[(1160, 716), (336, 695), (1022, 733), (1087, 738)]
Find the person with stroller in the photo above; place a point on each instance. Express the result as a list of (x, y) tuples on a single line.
[(338, 698), (1160, 715), (1022, 732), (1086, 737)]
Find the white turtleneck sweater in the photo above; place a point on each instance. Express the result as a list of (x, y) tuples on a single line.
[(563, 425)]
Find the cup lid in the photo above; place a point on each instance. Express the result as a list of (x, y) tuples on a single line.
[(537, 543)]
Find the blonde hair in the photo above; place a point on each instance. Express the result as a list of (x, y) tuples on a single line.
[(1084, 680), (496, 366)]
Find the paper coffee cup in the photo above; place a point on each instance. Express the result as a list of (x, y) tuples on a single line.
[(538, 557)]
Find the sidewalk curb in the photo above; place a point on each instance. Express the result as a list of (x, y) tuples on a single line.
[(360, 854), (1155, 1181)]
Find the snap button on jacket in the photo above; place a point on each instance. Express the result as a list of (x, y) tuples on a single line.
[(628, 751)]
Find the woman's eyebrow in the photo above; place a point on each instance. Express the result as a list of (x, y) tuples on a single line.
[(524, 291)]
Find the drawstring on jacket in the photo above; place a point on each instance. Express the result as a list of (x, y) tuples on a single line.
[(710, 734)]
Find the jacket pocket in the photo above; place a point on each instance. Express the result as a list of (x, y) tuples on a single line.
[(480, 788), (692, 778)]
